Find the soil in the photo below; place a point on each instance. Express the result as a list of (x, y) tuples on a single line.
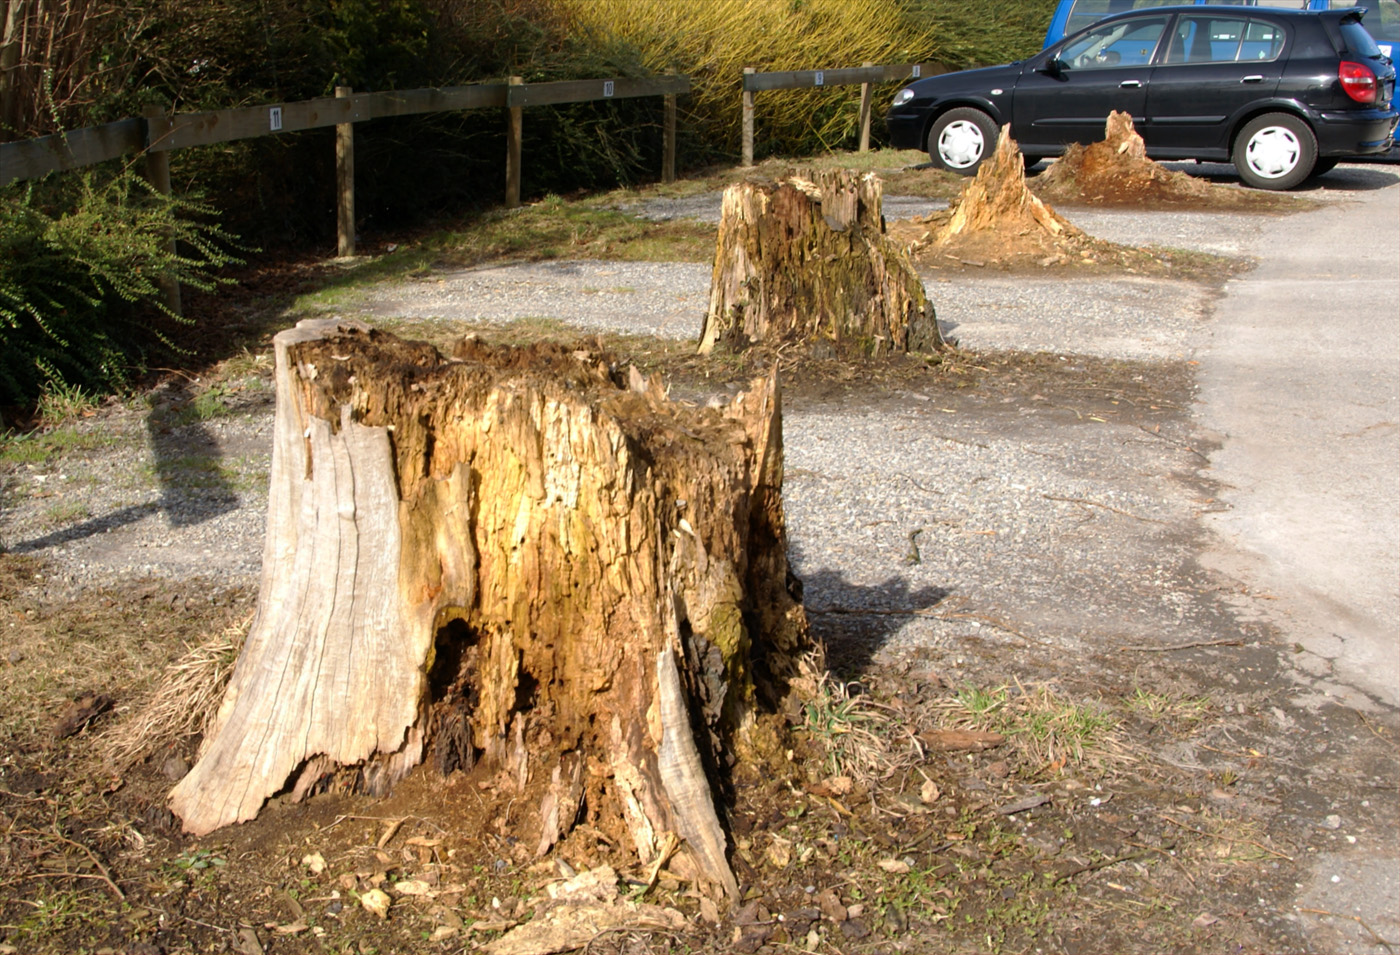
[(1153, 788)]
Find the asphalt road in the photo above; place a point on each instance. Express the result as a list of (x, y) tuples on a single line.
[(1301, 382)]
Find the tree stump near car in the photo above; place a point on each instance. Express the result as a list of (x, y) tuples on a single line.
[(521, 561), (1115, 169), (998, 203), (805, 260)]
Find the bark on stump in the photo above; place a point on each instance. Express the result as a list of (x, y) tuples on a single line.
[(997, 202), (805, 260), (512, 556)]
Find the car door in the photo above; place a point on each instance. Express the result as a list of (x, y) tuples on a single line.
[(1065, 94), (1215, 65)]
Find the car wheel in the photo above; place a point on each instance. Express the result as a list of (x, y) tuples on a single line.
[(960, 139), (1275, 151)]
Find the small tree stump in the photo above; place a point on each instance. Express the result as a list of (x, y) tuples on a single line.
[(806, 260), (997, 201), (511, 557), (1116, 169)]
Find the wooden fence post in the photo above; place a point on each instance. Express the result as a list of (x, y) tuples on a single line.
[(668, 141), (345, 182), (865, 113), (513, 129), (157, 173), (748, 123)]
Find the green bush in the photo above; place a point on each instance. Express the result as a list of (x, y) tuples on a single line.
[(82, 260)]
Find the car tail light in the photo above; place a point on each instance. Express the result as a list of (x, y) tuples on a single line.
[(1358, 80)]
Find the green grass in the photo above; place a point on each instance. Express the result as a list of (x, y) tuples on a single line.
[(1050, 731), (38, 447), (1167, 708)]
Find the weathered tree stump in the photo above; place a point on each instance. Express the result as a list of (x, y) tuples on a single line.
[(997, 201), (512, 557), (805, 260), (1116, 169)]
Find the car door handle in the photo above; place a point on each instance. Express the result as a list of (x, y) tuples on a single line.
[(1253, 78), (1134, 84)]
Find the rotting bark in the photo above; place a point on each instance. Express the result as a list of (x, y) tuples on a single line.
[(516, 557), (805, 261)]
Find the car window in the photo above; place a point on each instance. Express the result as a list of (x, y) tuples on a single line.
[(1200, 38), (1359, 42), (1382, 17), (1085, 12), (1262, 41), (1125, 43)]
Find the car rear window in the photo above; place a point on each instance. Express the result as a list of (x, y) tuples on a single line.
[(1382, 17), (1358, 41)]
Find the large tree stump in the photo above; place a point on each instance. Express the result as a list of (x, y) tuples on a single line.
[(518, 558), (806, 260)]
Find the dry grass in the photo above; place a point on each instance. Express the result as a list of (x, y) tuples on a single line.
[(1050, 733), (716, 39), (862, 739), (184, 703)]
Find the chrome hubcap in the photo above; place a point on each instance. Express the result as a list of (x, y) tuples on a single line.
[(1273, 152), (961, 144)]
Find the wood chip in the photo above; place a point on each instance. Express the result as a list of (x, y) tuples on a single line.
[(1021, 805)]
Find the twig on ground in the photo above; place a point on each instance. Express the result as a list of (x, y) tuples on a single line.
[(1179, 444), (1227, 642), (1101, 864), (1388, 946), (1107, 507)]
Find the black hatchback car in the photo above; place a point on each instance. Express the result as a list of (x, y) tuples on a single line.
[(1282, 94)]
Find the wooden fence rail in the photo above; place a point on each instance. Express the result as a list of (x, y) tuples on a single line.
[(867, 76), (34, 158)]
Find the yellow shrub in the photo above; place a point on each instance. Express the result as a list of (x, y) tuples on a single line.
[(713, 40)]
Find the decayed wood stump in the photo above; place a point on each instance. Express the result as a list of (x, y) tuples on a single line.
[(997, 202), (805, 260), (516, 557), (1116, 169)]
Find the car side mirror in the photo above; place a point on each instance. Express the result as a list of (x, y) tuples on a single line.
[(1054, 66)]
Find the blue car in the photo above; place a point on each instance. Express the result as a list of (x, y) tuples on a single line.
[(1283, 94)]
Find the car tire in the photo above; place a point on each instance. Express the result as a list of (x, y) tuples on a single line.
[(1275, 151), (960, 139)]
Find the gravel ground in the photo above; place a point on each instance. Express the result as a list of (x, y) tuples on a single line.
[(978, 491), (189, 498)]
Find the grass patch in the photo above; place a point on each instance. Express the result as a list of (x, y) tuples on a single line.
[(1050, 733), (38, 447), (553, 228), (854, 732), (1167, 708)]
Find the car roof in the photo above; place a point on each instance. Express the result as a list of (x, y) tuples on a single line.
[(1220, 10)]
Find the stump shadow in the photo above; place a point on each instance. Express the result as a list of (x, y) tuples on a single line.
[(188, 466), (855, 620)]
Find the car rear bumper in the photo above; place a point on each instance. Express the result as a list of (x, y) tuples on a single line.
[(1355, 132)]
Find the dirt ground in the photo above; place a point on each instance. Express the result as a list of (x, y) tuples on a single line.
[(1031, 780)]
